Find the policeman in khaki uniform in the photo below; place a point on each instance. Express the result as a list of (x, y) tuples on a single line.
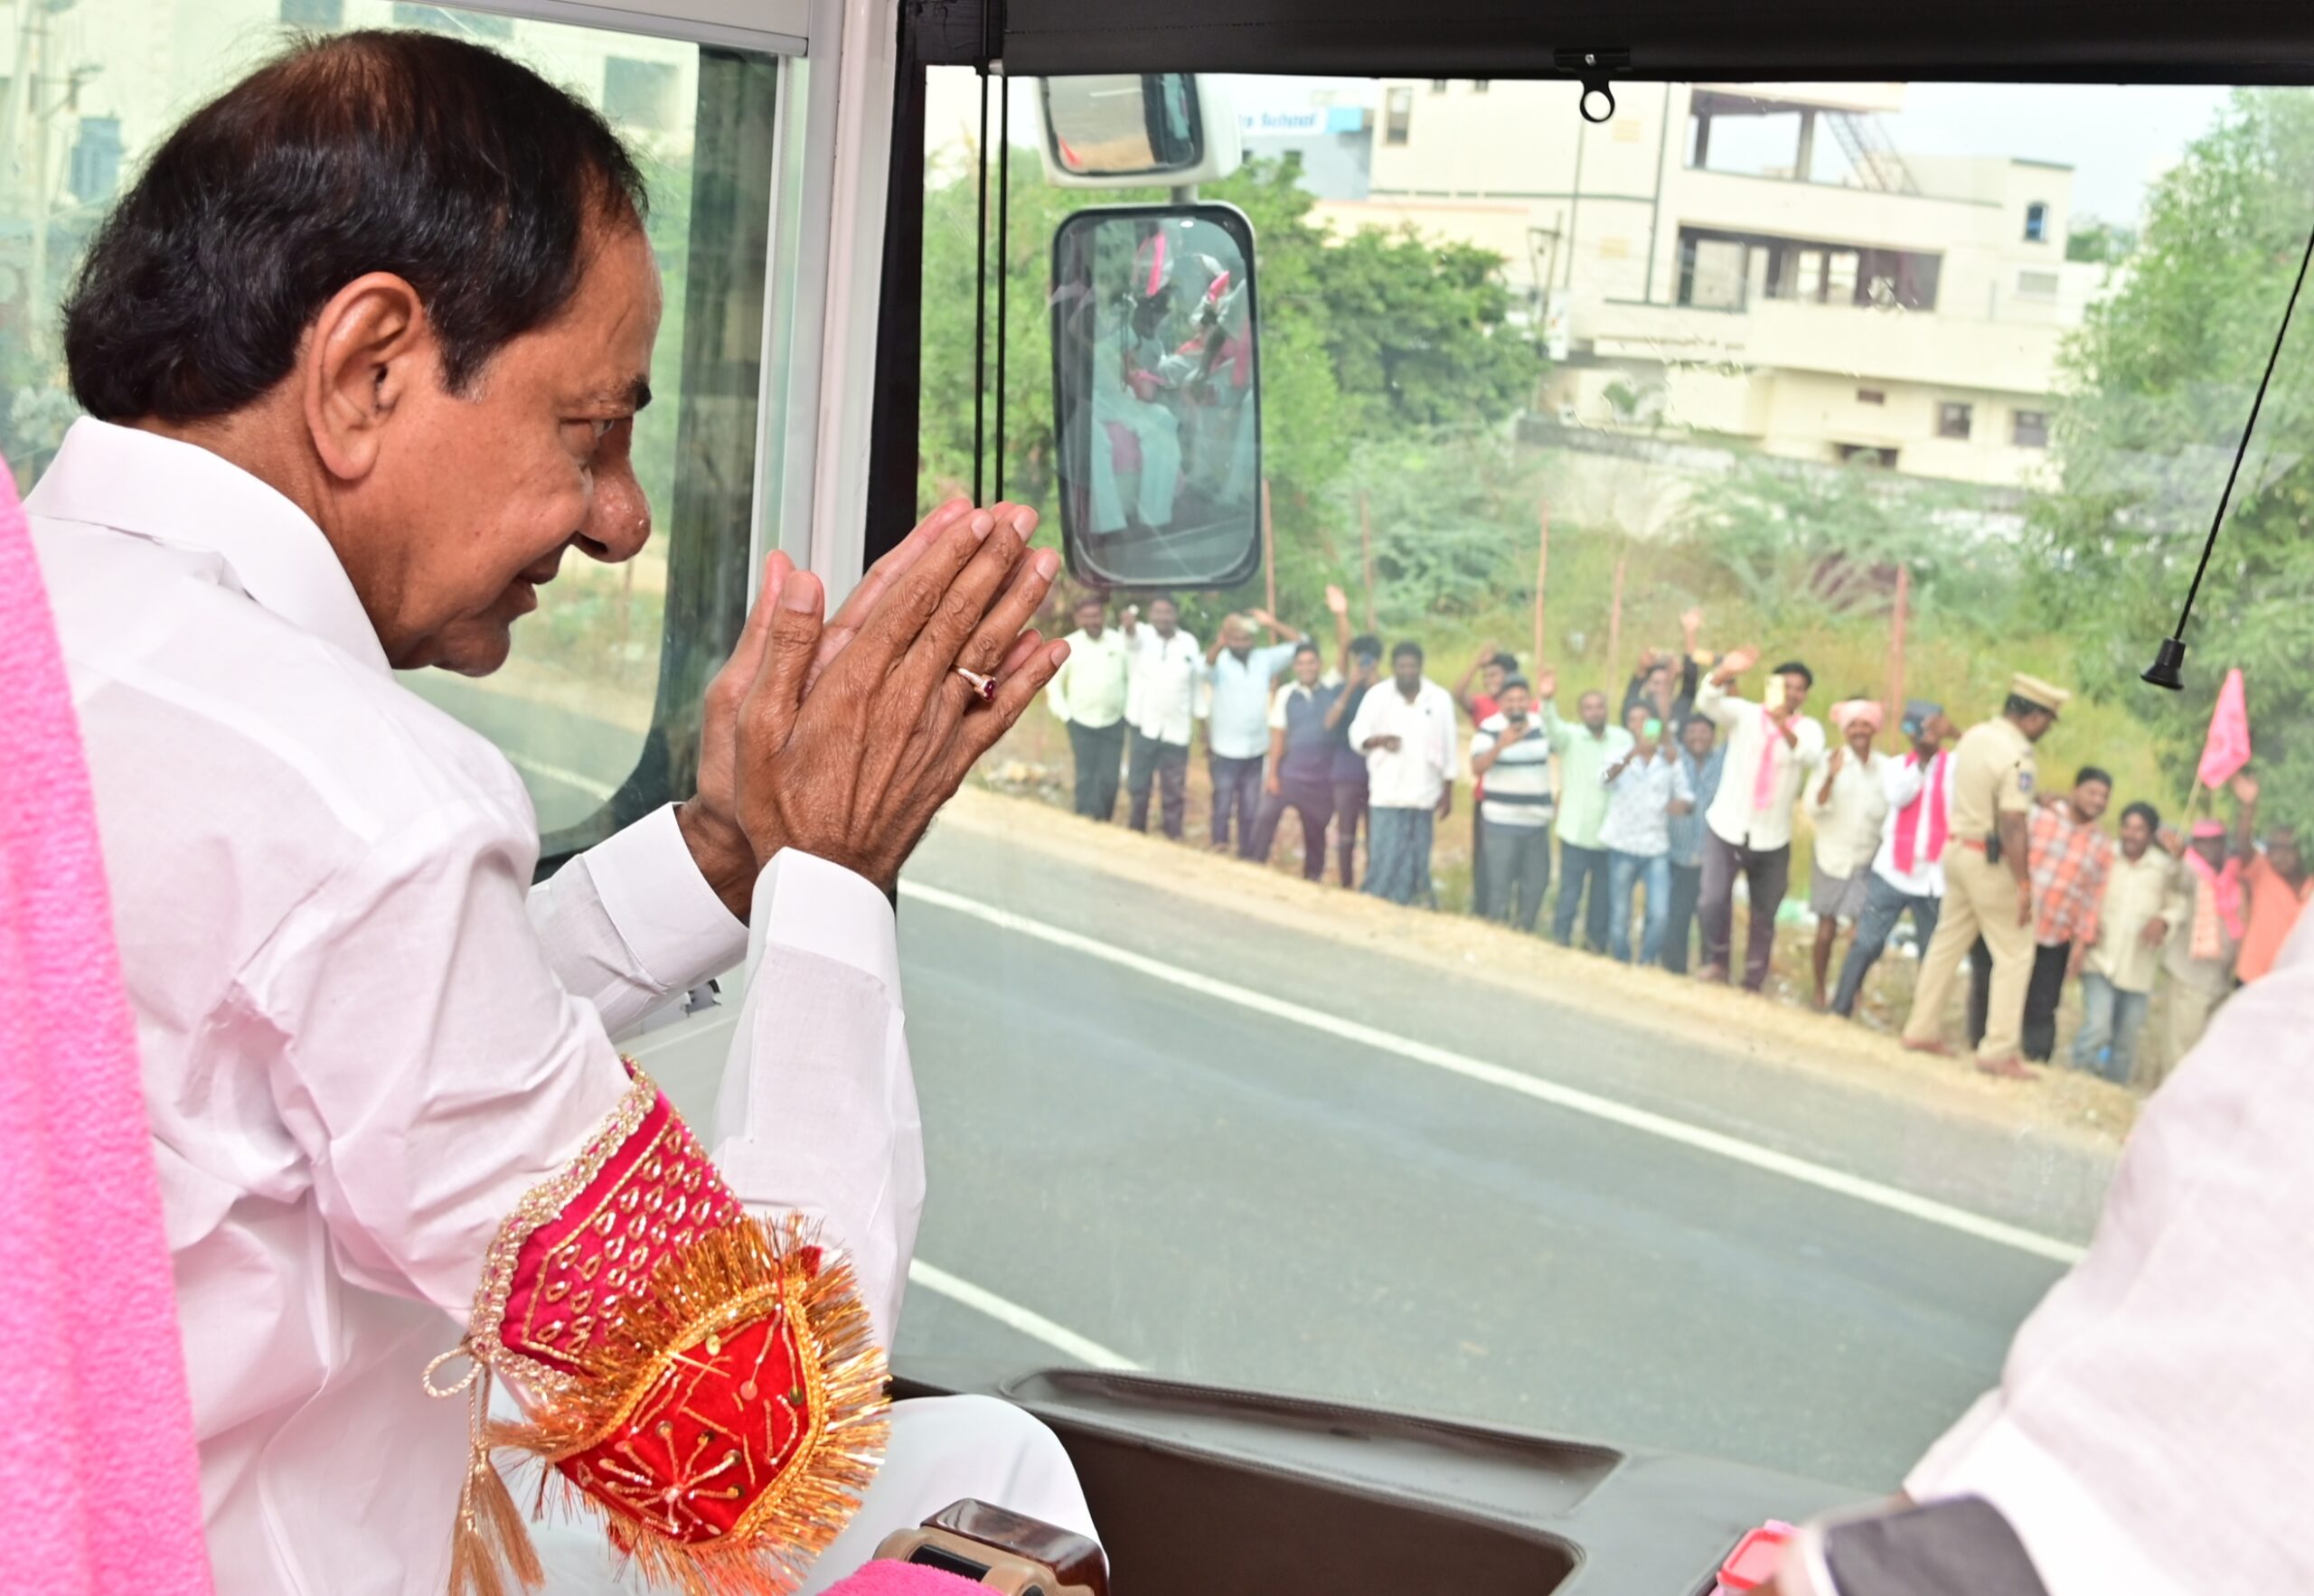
[(1988, 883)]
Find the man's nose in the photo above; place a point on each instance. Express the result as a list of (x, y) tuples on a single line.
[(618, 521)]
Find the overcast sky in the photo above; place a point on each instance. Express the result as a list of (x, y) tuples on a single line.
[(2116, 139)]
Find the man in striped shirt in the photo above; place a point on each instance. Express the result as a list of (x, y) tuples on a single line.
[(1512, 752)]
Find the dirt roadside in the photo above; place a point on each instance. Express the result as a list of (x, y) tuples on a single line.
[(2061, 1103)]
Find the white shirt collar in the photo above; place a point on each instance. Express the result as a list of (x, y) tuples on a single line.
[(183, 495)]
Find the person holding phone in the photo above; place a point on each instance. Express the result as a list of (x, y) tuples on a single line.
[(1645, 789), (1512, 752)]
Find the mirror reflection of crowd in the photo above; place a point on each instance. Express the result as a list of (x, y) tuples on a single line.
[(1660, 811), (1169, 350)]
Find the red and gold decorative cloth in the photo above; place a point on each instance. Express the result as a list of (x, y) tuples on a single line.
[(708, 1384)]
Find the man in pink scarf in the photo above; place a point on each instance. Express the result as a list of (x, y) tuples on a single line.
[(1908, 871), (1772, 747)]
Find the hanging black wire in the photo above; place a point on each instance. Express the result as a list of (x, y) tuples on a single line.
[(1004, 239), (980, 299), (2169, 659)]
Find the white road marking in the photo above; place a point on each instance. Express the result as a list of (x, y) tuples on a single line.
[(602, 792), (1010, 1314), (1574, 1099)]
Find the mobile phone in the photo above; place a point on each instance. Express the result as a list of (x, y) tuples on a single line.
[(1773, 695)]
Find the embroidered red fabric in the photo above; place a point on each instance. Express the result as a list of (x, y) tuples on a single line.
[(655, 1195)]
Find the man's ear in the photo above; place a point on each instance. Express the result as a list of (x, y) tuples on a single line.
[(368, 353)]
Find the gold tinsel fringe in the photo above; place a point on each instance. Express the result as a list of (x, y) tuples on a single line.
[(730, 1277)]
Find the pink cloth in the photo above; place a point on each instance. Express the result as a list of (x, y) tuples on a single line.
[(901, 1578), (1763, 778), (100, 1489), (1931, 793), (1850, 711), (2227, 748)]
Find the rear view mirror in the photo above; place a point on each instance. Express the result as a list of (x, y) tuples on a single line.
[(1133, 129), (1157, 396)]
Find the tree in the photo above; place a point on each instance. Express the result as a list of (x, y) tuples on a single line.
[(1375, 344), (2161, 377), (1812, 546), (2093, 240)]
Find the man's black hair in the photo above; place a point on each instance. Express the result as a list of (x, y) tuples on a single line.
[(2152, 815), (1509, 663), (464, 172), (1304, 647), (1366, 646), (2090, 772), (1519, 682), (1409, 649), (1157, 598), (1703, 721), (1100, 599), (1794, 668)]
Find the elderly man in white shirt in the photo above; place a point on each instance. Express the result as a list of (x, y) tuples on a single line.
[(350, 436), (1406, 729), (1772, 747), (1088, 696), (1162, 706), (1909, 867)]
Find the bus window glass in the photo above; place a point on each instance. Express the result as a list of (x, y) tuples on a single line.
[(578, 707), (1266, 1066)]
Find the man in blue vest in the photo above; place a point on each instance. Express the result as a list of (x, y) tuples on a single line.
[(1302, 746)]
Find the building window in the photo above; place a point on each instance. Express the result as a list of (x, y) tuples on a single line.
[(1871, 396), (437, 19), (2029, 430), (1398, 116), (1954, 420), (2037, 285), (1481, 85), (1438, 85), (314, 14), (95, 173), (2037, 222), (1870, 455), (640, 94)]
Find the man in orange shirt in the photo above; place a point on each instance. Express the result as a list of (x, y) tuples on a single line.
[(2278, 883)]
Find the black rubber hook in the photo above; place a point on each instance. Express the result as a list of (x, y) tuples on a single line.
[(1590, 67)]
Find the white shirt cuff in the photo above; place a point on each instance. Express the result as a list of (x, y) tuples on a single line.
[(803, 901), (2078, 1548), (663, 908)]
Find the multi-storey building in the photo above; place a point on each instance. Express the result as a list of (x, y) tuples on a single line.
[(1751, 264)]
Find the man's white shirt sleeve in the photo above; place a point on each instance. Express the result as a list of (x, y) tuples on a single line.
[(631, 922)]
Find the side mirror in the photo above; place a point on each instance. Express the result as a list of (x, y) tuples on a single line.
[(1156, 367), (1134, 129)]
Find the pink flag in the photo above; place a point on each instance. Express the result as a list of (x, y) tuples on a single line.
[(2228, 747)]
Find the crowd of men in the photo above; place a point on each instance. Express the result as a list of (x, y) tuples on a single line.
[(1656, 814)]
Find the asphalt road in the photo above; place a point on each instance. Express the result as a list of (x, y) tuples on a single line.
[(1235, 1197), (1230, 1196)]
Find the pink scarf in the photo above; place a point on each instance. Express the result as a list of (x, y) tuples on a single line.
[(1764, 779), (1931, 793), (2220, 900), (99, 1490)]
